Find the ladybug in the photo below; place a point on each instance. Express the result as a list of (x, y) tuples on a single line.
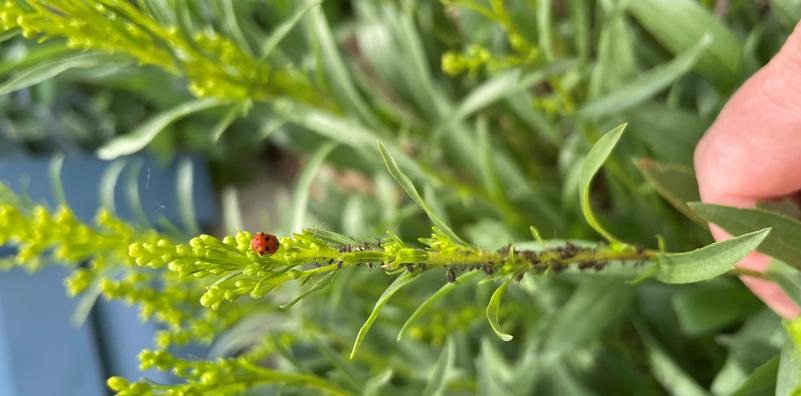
[(264, 243)]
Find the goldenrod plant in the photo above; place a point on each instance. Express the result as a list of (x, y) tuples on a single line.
[(496, 197)]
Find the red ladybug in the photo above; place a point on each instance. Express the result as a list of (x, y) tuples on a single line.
[(264, 243)]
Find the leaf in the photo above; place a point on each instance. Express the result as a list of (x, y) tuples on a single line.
[(666, 371), (230, 115), (783, 241), (232, 215), (711, 307), (788, 378), (709, 261), (788, 12), (321, 284), (441, 372), (399, 282), (501, 86), (108, 185), (644, 87), (492, 311), (675, 183), (373, 385), (185, 194), (681, 24), (132, 193), (590, 310), (762, 381), (426, 305), (788, 279), (49, 69), (54, 172), (301, 196), (284, 28), (589, 167), (141, 136), (336, 69), (411, 191)]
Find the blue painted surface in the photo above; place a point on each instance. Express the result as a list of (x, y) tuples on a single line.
[(41, 352)]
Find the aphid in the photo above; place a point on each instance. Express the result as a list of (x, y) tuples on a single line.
[(451, 275), (264, 244)]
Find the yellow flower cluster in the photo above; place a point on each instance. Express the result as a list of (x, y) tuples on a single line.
[(213, 64)]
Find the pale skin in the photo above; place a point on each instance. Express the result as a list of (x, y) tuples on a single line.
[(752, 152)]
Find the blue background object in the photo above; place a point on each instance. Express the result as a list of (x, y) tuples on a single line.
[(41, 351)]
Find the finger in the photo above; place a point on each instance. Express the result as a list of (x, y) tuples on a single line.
[(753, 152)]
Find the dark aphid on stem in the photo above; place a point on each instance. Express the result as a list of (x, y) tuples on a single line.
[(519, 276), (488, 269), (586, 265), (410, 267), (345, 249), (558, 267), (451, 274), (568, 251), (339, 264)]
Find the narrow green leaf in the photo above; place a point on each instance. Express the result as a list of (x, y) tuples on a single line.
[(331, 236), (49, 69), (703, 310), (592, 308), (762, 381), (501, 86), (709, 261), (492, 311), (230, 115), (441, 372), (536, 234), (108, 185), (301, 196), (85, 304), (545, 29), (681, 24), (788, 379), (336, 69), (426, 305), (284, 28), (665, 370), (321, 284), (141, 136), (589, 167), (645, 87), (399, 282), (373, 385), (788, 12), (232, 215), (132, 193), (54, 172), (184, 192), (783, 241), (411, 191), (786, 277), (675, 183)]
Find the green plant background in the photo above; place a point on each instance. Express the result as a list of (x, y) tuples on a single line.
[(487, 109)]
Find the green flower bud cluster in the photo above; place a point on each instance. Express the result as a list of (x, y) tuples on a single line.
[(214, 65), (476, 57), (443, 324), (221, 377)]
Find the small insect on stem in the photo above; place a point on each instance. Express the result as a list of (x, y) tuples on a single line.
[(451, 274)]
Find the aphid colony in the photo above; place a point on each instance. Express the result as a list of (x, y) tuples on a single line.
[(265, 243)]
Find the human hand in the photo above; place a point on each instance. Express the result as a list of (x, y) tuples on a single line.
[(752, 152)]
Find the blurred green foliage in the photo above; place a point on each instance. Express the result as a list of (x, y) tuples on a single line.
[(487, 109)]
